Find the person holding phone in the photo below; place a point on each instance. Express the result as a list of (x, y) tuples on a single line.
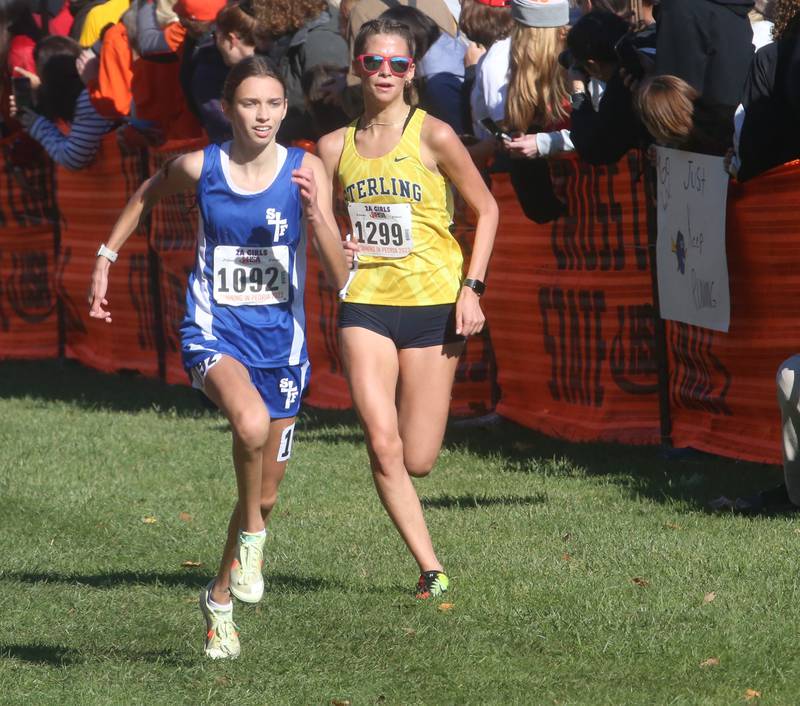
[(60, 95), (407, 308), (243, 335), (537, 108)]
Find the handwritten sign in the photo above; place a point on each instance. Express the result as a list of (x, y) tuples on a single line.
[(690, 251)]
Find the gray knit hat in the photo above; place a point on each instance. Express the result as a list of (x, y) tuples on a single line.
[(540, 13)]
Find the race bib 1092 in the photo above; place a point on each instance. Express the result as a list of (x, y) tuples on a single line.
[(251, 276)]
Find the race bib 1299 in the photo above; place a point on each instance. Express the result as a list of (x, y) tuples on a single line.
[(251, 276), (382, 230)]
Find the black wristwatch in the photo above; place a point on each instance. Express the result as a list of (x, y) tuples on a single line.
[(475, 285)]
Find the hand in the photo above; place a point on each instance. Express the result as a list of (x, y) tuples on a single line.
[(88, 65), (351, 249), (473, 53), (469, 317), (522, 146), (97, 291), (304, 178), (36, 82), (578, 79), (24, 116)]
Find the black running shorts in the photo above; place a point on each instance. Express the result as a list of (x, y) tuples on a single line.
[(406, 326)]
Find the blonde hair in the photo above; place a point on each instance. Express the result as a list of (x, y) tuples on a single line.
[(666, 105), (537, 87)]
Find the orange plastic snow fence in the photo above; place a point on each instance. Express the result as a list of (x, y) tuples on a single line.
[(570, 348), (89, 201), (722, 386), (28, 300), (570, 309)]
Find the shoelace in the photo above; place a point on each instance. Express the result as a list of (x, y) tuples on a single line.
[(224, 628), (250, 562)]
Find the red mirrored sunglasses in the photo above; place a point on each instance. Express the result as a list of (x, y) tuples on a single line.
[(372, 63)]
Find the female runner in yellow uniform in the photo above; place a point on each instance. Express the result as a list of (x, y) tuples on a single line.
[(406, 310)]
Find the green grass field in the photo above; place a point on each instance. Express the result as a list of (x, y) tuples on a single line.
[(581, 574)]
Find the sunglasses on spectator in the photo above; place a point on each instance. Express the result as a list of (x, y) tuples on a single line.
[(372, 63)]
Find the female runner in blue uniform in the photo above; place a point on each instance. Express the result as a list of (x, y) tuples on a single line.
[(243, 336)]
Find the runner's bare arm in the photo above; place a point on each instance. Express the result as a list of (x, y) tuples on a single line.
[(317, 205), (329, 149), (175, 176), (451, 157)]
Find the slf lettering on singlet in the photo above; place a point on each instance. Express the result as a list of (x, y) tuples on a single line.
[(251, 276), (382, 230)]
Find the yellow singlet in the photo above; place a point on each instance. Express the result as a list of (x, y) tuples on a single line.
[(400, 212)]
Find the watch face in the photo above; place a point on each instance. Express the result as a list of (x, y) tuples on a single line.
[(475, 285)]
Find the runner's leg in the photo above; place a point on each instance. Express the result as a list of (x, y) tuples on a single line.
[(423, 402), (228, 385), (273, 472), (372, 367)]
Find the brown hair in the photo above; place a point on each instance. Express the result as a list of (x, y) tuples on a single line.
[(373, 28), (232, 19), (254, 65), (537, 85), (280, 17), (666, 106), (61, 85), (787, 19), (484, 24)]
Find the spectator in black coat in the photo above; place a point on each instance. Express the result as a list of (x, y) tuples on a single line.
[(767, 119), (708, 44), (604, 127)]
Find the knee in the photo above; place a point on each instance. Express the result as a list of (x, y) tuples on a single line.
[(419, 467), (251, 427), (385, 450)]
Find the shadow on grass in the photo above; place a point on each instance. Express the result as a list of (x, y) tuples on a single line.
[(69, 381), (691, 478), (60, 656), (43, 655), (187, 579), (663, 475), (476, 502)]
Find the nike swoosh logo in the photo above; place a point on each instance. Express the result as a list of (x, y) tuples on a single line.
[(400, 159)]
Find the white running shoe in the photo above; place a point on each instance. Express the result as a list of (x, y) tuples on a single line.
[(222, 635), (247, 583)]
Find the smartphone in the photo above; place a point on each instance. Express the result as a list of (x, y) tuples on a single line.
[(23, 95), (628, 56), (495, 129)]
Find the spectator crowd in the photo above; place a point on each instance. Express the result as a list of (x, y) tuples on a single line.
[(519, 80)]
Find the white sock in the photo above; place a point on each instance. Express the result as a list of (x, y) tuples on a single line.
[(255, 535), (219, 607)]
